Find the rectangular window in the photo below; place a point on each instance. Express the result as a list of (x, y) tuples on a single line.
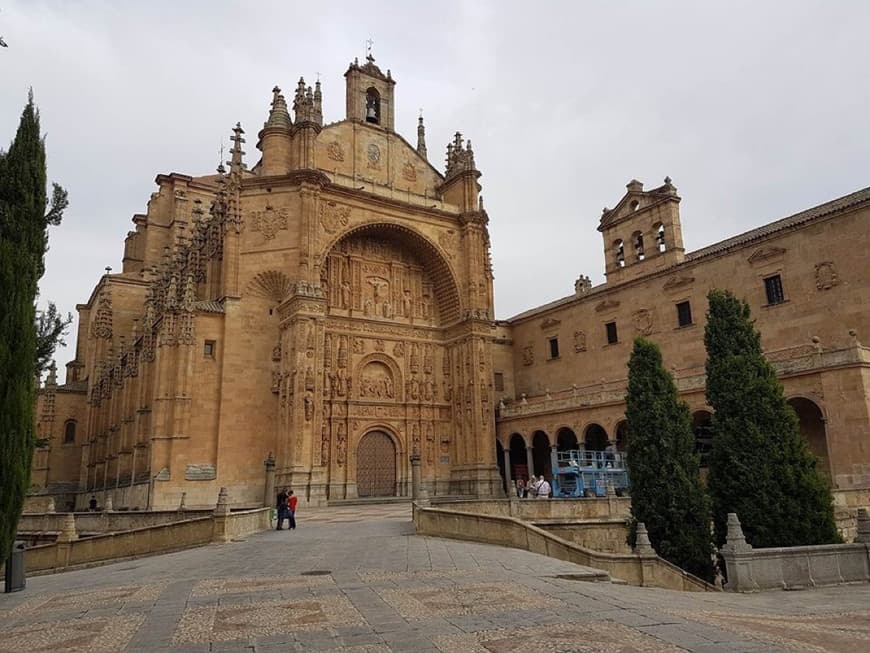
[(209, 349), (499, 381), (612, 336), (773, 288), (684, 314), (554, 347)]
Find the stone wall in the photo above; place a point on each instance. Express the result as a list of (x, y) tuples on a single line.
[(795, 567), (103, 522), (535, 510), (646, 570), (607, 535), (70, 552)]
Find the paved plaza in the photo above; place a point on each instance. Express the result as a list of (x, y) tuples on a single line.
[(357, 580)]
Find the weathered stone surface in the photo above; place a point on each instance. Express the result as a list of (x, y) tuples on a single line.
[(200, 472)]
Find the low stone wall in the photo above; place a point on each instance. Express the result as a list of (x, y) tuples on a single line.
[(750, 569), (128, 497), (541, 509), (597, 534), (846, 505), (68, 552), (103, 522), (643, 570), (797, 567)]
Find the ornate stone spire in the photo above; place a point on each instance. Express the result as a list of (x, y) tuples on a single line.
[(236, 163), (51, 380), (278, 116), (421, 136), (460, 158), (306, 104)]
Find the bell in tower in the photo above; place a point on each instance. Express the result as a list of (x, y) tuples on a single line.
[(373, 106)]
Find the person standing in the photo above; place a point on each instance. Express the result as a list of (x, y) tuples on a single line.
[(291, 509), (543, 488), (281, 506)]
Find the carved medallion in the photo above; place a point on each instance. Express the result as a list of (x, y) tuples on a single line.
[(269, 222), (334, 216), (826, 275), (643, 321), (335, 151), (359, 346), (448, 240), (528, 355), (399, 350), (409, 172), (579, 341), (373, 154)]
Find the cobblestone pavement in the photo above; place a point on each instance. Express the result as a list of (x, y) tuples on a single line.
[(357, 580)]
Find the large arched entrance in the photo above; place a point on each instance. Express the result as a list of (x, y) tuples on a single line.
[(622, 436), (376, 465), (519, 466), (812, 426)]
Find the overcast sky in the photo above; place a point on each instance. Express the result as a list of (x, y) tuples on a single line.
[(756, 109)]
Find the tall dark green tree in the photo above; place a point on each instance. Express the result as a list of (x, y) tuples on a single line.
[(760, 466), (25, 214), (666, 491)]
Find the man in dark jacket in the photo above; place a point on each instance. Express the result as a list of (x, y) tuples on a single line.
[(281, 506)]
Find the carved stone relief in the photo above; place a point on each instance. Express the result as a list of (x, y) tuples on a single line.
[(528, 355), (764, 253), (334, 216), (826, 275), (579, 341), (409, 172), (373, 156), (376, 381), (269, 222), (606, 305), (335, 151), (643, 321), (200, 472)]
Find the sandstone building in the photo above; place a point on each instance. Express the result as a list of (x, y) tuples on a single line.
[(330, 309)]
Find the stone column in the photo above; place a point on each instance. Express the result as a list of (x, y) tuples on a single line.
[(530, 461), (509, 487), (269, 492), (416, 488)]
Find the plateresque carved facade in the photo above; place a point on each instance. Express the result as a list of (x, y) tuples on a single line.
[(332, 306)]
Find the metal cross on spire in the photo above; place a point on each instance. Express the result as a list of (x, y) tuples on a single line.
[(369, 43)]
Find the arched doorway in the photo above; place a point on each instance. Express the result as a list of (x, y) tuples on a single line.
[(519, 465), (812, 426), (566, 440), (595, 438), (622, 436), (702, 428), (541, 454), (376, 465)]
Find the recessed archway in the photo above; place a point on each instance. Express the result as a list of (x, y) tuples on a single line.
[(622, 436), (541, 454), (595, 438), (566, 440), (519, 465), (812, 426)]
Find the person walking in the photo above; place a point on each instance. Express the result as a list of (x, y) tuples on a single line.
[(281, 506), (291, 509)]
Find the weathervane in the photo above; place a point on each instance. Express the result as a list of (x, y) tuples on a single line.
[(369, 43)]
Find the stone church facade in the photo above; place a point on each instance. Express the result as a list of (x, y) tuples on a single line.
[(329, 311)]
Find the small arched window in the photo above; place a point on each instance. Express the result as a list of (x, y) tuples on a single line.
[(637, 241), (69, 432), (373, 106), (619, 253), (660, 238)]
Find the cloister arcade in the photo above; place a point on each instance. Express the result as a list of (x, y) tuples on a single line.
[(528, 453)]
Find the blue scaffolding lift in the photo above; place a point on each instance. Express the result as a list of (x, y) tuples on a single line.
[(582, 473)]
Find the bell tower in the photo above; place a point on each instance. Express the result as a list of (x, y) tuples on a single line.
[(370, 94)]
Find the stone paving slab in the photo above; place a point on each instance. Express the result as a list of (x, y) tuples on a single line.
[(357, 580)]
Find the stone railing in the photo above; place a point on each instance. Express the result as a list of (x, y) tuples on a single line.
[(102, 522), (69, 551), (787, 361), (795, 567), (643, 568), (537, 510)]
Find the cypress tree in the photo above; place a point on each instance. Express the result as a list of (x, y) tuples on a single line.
[(666, 492), (760, 466), (23, 241)]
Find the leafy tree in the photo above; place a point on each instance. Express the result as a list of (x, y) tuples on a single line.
[(51, 327), (760, 466), (666, 492), (25, 214)]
